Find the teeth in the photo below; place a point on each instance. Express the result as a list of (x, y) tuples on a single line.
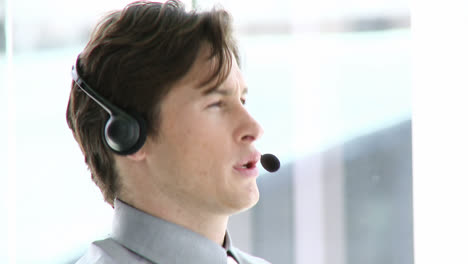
[(248, 165)]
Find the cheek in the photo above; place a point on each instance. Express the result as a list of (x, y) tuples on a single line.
[(206, 159), (190, 145), (203, 135), (200, 141)]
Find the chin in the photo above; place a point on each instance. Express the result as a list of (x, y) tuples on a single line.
[(246, 202)]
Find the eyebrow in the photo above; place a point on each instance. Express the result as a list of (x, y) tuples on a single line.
[(217, 90)]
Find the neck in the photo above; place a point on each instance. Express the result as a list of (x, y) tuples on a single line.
[(211, 226)]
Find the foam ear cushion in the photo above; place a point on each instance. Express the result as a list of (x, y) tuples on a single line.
[(125, 133)]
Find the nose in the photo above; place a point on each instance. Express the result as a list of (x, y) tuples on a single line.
[(249, 130)]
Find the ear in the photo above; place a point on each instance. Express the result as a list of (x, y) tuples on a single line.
[(138, 156)]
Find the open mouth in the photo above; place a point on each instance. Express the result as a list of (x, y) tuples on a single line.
[(248, 165)]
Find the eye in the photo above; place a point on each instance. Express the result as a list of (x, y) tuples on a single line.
[(216, 104)]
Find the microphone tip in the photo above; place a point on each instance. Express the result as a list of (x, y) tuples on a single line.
[(270, 162)]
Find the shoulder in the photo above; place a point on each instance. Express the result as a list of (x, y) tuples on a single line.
[(245, 258), (109, 251)]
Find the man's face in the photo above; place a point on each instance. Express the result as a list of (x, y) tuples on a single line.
[(203, 157)]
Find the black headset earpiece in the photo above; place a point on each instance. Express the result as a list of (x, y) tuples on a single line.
[(123, 133)]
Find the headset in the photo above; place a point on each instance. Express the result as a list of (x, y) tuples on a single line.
[(123, 133)]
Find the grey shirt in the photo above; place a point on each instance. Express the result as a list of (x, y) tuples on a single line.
[(138, 237)]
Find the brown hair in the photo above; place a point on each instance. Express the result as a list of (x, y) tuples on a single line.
[(132, 59)]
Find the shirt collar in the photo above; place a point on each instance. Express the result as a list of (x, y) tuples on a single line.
[(164, 242), (229, 248)]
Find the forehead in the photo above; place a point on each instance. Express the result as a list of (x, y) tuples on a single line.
[(202, 74)]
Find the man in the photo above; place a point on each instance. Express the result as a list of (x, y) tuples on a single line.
[(173, 77)]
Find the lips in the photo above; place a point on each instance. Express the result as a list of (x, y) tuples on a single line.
[(248, 165)]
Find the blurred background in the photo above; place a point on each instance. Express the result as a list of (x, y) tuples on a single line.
[(330, 81)]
